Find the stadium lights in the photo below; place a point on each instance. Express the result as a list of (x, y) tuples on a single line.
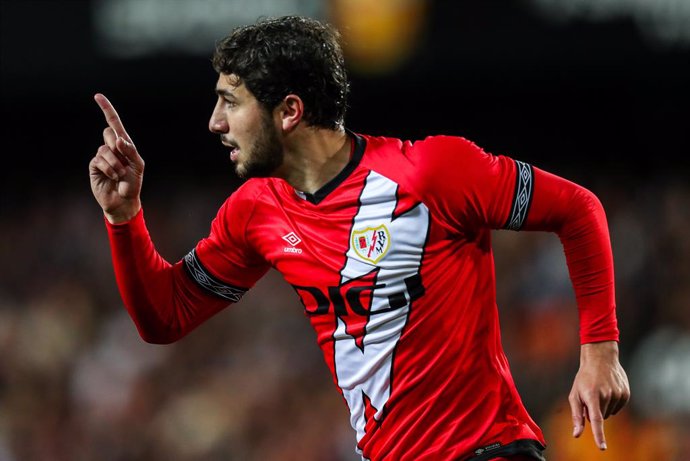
[(665, 21), (137, 28)]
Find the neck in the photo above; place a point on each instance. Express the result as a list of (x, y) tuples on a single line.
[(313, 157)]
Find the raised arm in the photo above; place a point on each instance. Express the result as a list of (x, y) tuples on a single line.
[(163, 301)]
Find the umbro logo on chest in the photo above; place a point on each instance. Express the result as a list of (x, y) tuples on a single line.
[(293, 240)]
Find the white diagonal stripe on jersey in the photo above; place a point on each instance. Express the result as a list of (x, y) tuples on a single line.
[(369, 369)]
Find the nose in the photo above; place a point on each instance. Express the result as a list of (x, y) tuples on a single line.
[(218, 124)]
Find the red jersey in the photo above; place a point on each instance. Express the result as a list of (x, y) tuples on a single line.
[(392, 261)]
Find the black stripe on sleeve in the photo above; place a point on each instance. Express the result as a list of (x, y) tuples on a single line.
[(200, 275), (522, 197)]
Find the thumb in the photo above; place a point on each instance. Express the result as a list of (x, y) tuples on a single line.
[(129, 151)]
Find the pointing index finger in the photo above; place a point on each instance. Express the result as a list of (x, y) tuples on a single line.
[(111, 116), (597, 425)]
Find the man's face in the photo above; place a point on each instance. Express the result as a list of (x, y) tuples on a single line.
[(246, 128)]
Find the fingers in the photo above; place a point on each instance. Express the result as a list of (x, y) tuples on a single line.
[(600, 389), (615, 399), (620, 403), (577, 412), (116, 137), (608, 404), (129, 151), (109, 138), (591, 409), (623, 394), (111, 116), (108, 163), (596, 422)]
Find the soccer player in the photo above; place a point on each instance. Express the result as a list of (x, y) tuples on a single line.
[(386, 243)]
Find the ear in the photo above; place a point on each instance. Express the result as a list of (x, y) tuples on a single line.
[(290, 112)]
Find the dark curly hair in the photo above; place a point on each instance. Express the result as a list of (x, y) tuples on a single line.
[(289, 55)]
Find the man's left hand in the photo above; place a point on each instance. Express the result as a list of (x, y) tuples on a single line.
[(600, 389)]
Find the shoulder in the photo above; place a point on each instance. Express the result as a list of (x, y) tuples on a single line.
[(252, 188), (444, 148), (429, 149), (423, 162), (249, 191), (241, 203), (454, 160)]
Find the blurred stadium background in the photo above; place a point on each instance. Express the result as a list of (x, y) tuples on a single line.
[(593, 90)]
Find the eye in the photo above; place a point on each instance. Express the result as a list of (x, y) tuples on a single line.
[(230, 103)]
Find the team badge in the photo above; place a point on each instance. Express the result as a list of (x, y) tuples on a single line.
[(372, 243)]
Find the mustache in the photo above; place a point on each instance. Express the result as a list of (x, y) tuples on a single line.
[(227, 141)]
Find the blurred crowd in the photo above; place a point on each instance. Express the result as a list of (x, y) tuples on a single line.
[(77, 383)]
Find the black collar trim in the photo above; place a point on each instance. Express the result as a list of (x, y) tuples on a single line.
[(358, 147)]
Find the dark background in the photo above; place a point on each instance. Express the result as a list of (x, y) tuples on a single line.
[(603, 102), (578, 95)]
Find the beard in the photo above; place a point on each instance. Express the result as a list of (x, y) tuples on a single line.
[(264, 156)]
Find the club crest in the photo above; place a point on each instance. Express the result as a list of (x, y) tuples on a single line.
[(372, 243)]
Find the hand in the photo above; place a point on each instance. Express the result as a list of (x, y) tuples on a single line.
[(117, 169), (600, 389)]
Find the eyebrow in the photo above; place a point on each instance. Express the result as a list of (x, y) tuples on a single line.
[(224, 92)]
